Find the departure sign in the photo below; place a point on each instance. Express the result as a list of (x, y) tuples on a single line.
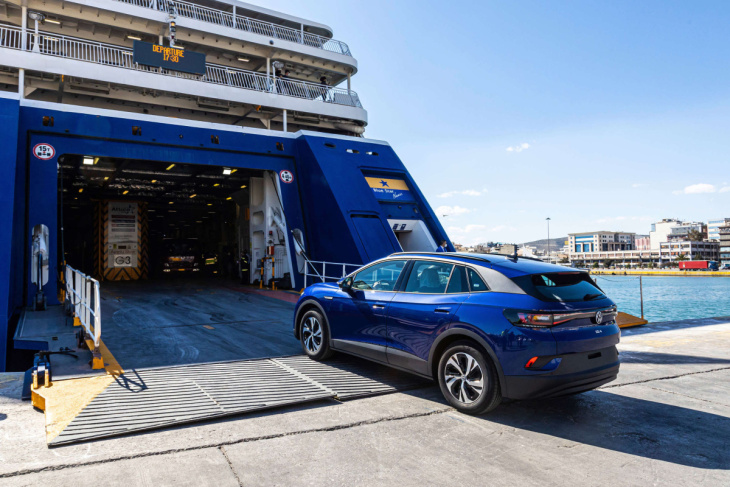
[(172, 58)]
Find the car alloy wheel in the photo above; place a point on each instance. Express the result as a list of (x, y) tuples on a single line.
[(312, 335), (464, 378)]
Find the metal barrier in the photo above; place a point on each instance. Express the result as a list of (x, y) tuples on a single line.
[(239, 22), (111, 55), (82, 297), (318, 269)]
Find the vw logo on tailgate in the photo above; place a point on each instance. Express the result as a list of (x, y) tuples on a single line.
[(599, 317)]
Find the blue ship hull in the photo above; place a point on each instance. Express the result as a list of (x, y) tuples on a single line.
[(343, 216)]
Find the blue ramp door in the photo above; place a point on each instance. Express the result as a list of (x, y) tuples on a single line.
[(377, 240)]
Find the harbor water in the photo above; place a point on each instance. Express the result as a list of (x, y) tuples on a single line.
[(669, 298)]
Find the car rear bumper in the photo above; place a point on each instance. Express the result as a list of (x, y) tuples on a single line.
[(577, 372)]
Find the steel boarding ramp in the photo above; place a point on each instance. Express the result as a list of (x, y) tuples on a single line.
[(142, 400)]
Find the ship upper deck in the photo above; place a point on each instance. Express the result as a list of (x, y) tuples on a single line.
[(90, 49)]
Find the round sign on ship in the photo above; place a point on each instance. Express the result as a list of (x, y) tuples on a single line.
[(286, 176), (44, 152)]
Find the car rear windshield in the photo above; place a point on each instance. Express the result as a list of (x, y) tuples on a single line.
[(560, 286)]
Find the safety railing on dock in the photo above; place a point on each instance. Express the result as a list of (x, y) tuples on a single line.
[(234, 21), (326, 271), (111, 55), (82, 297)]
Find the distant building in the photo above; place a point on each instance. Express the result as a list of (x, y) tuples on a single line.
[(600, 241), (691, 250), (724, 233), (713, 227), (672, 229), (505, 249), (642, 242)]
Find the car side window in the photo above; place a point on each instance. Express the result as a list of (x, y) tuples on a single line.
[(379, 277), (429, 277), (458, 282), (477, 283)]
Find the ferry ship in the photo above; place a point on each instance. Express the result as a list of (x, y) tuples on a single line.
[(130, 127)]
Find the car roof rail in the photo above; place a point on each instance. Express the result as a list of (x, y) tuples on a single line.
[(469, 256), (444, 255)]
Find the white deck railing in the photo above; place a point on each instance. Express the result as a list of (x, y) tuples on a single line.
[(227, 19), (111, 55), (82, 297), (324, 271)]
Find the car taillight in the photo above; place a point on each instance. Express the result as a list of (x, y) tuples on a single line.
[(529, 319)]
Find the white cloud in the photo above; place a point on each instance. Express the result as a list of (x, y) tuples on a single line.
[(502, 228), (465, 192), (445, 211), (638, 185), (469, 235), (518, 148), (726, 189), (699, 188), (466, 229)]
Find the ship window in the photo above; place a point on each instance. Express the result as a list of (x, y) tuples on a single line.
[(353, 151), (372, 153), (331, 146), (279, 146)]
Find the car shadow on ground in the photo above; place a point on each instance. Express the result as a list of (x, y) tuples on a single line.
[(630, 425), (631, 357)]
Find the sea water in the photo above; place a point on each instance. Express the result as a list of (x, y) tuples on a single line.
[(669, 298)]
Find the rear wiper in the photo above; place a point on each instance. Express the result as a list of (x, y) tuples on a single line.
[(589, 297)]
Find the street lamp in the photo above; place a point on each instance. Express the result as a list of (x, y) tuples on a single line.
[(548, 247)]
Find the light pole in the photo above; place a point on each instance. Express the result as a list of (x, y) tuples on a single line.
[(548, 250)]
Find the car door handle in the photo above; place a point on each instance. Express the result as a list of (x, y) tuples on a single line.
[(443, 310), (378, 306)]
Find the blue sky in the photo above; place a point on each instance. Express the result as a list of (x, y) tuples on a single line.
[(599, 115)]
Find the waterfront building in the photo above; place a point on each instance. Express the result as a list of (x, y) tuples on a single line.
[(691, 250), (620, 258), (713, 227), (603, 241), (642, 242), (670, 228), (666, 256), (724, 233)]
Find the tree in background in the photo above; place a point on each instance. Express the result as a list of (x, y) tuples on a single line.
[(607, 263), (682, 257), (695, 236)]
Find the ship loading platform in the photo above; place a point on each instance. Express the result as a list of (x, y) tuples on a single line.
[(141, 242)]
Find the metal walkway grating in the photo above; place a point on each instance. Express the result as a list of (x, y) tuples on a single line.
[(351, 378), (141, 400)]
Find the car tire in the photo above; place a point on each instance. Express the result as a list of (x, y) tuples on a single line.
[(314, 335), (462, 370)]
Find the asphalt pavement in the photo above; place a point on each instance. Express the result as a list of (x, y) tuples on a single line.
[(666, 420)]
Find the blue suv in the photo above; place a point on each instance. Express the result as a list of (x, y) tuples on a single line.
[(485, 326)]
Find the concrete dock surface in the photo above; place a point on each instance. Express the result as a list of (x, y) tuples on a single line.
[(665, 421)]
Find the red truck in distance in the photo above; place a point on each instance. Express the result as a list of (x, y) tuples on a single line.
[(698, 265)]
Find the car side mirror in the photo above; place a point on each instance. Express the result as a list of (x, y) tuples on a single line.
[(345, 284)]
